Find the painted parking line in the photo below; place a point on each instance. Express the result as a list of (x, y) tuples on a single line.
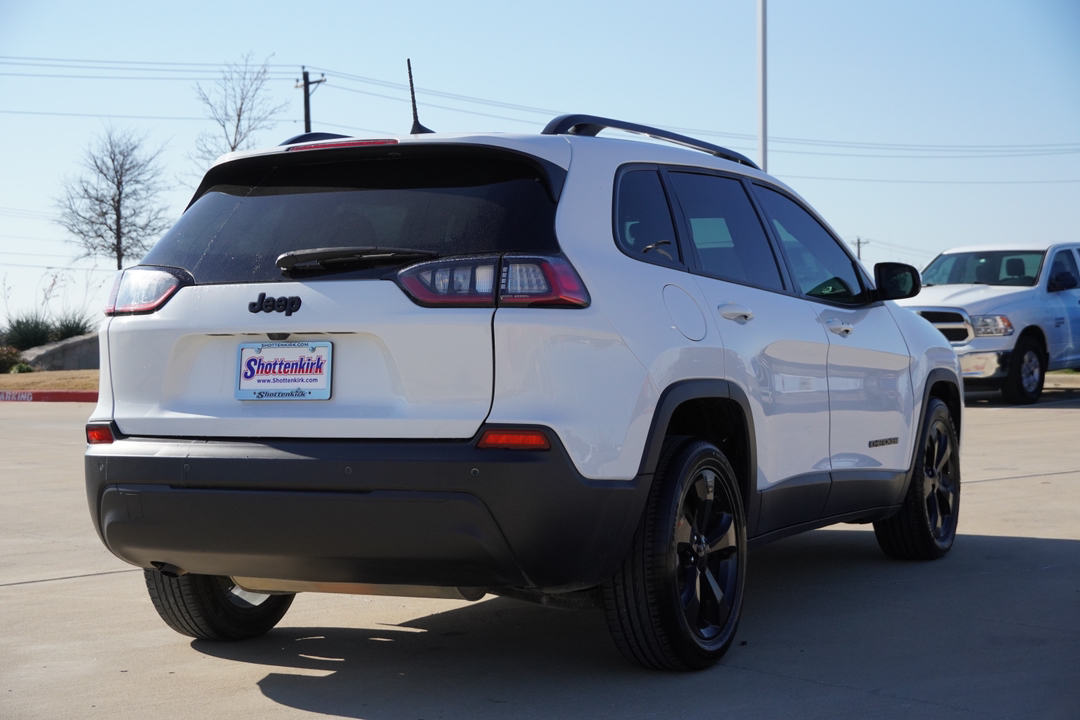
[(48, 396)]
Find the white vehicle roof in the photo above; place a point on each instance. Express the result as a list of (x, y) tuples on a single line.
[(1017, 246)]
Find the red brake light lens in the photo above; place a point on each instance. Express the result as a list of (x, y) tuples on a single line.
[(523, 281), (540, 281), (459, 282), (514, 440), (99, 434), (143, 289), (343, 144)]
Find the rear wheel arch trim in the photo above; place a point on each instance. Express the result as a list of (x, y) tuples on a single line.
[(677, 395)]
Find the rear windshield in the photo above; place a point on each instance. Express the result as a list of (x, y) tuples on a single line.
[(991, 267), (449, 205)]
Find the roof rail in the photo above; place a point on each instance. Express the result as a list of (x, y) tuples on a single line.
[(590, 125)]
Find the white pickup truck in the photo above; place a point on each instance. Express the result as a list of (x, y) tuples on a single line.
[(1011, 313)]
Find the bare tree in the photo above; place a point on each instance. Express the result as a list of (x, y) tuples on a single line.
[(239, 105), (113, 208)]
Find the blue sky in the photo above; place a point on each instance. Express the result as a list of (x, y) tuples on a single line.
[(918, 125)]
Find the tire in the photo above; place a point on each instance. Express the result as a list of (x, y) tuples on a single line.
[(925, 527), (208, 607), (1027, 372), (674, 603)]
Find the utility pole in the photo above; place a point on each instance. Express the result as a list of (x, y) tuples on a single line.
[(307, 85), (763, 135), (859, 242)]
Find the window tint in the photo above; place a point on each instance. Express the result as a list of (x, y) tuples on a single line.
[(1064, 263), (726, 233), (822, 268), (453, 206), (643, 223), (989, 267)]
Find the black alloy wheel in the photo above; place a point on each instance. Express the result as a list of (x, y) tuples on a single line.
[(706, 556), (675, 601), (925, 526), (941, 480)]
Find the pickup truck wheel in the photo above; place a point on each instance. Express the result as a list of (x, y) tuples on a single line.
[(925, 527), (208, 607), (674, 603), (1027, 372)]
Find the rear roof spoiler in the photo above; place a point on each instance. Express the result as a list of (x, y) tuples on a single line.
[(591, 125)]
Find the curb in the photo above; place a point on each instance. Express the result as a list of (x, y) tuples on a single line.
[(48, 396)]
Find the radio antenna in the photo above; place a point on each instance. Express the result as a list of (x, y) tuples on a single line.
[(417, 128)]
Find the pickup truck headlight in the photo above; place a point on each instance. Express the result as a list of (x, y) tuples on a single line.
[(991, 325)]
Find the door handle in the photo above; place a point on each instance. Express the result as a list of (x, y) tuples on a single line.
[(736, 312), (839, 327)]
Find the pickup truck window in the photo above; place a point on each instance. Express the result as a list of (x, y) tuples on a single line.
[(991, 267), (1063, 263)]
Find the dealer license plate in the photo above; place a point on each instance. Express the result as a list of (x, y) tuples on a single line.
[(284, 371)]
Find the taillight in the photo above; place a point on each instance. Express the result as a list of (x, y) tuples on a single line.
[(514, 440), (522, 281), (97, 434), (144, 289), (460, 282), (540, 281)]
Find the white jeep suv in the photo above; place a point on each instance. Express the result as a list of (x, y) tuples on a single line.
[(557, 367)]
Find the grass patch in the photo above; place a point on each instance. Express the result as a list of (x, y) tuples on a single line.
[(71, 324), (27, 331)]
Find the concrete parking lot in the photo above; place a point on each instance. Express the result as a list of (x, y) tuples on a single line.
[(831, 628)]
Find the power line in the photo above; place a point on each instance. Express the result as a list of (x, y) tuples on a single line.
[(433, 105), (100, 115), (27, 214), (353, 127), (931, 182), (5, 252), (121, 77), (121, 62), (440, 93), (39, 239), (1067, 147), (212, 69), (1040, 153), (57, 267)]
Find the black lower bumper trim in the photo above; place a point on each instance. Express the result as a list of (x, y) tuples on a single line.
[(426, 538), (422, 513)]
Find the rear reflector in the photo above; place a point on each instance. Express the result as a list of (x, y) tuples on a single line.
[(99, 434), (514, 440)]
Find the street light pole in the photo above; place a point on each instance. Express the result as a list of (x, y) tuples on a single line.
[(763, 134)]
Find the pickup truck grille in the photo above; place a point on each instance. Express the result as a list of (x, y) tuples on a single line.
[(955, 326)]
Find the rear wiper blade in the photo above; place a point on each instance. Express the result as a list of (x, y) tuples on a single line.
[(325, 257)]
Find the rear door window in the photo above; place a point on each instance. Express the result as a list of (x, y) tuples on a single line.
[(725, 231)]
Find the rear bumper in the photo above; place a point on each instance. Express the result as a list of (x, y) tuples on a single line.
[(419, 513)]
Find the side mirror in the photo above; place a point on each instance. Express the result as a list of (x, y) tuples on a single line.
[(1062, 281), (896, 281)]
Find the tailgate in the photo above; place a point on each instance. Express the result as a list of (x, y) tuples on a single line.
[(398, 370)]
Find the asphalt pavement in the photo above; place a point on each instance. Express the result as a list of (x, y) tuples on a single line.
[(830, 629)]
